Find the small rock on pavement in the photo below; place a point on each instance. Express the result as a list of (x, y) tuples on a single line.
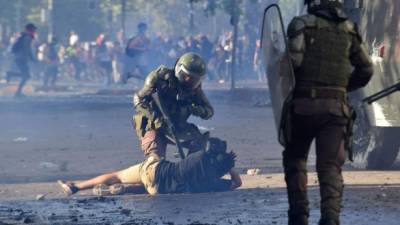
[(40, 197), (27, 220), (20, 139), (253, 172), (49, 166), (125, 212)]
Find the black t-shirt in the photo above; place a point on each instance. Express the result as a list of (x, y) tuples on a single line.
[(193, 174)]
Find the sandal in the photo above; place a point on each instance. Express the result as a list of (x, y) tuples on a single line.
[(67, 187), (103, 190)]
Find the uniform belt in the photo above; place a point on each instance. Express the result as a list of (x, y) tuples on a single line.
[(320, 93)]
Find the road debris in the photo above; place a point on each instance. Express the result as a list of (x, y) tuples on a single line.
[(40, 197), (49, 166), (253, 172), (20, 139)]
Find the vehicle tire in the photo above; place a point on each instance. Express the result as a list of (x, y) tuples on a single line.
[(386, 149), (361, 139), (374, 147)]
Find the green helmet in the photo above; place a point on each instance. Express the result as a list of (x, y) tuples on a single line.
[(314, 5), (190, 70)]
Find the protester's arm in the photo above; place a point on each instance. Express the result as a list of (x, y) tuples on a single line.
[(256, 57)]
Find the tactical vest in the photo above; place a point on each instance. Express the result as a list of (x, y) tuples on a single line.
[(327, 56)]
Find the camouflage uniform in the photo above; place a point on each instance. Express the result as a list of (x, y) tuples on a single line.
[(179, 103), (329, 60)]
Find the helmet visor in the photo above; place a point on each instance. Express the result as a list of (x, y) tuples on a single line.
[(189, 80)]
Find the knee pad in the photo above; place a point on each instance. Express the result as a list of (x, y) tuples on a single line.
[(331, 189), (331, 180)]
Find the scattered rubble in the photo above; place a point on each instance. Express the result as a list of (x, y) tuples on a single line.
[(253, 172), (40, 197), (20, 139)]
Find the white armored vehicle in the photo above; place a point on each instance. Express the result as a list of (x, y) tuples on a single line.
[(377, 128)]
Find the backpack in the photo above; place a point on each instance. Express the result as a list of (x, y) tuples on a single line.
[(18, 45)]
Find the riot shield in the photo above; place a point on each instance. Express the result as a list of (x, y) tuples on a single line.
[(278, 66)]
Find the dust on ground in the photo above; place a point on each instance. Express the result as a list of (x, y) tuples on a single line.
[(77, 136), (363, 205)]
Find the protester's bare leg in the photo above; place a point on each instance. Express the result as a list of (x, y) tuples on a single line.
[(108, 179), (130, 175)]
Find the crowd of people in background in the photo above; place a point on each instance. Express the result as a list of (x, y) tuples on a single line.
[(115, 61)]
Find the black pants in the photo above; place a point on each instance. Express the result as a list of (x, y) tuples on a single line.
[(23, 67), (50, 74), (328, 130)]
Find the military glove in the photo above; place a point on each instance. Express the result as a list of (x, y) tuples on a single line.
[(200, 112), (184, 102)]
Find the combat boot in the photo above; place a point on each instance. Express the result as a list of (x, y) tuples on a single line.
[(296, 184), (328, 222), (298, 220)]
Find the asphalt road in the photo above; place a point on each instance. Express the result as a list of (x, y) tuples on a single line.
[(43, 139), (77, 137)]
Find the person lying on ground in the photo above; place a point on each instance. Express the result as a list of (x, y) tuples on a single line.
[(201, 171)]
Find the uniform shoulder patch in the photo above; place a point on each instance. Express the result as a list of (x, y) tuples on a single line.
[(162, 71), (156, 75), (296, 26), (350, 27), (309, 20), (300, 23), (353, 29)]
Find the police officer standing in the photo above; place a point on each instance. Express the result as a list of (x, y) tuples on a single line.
[(329, 60), (179, 90), (22, 50)]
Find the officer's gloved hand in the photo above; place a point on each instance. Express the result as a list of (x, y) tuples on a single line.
[(198, 111), (184, 96), (184, 111), (184, 103)]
